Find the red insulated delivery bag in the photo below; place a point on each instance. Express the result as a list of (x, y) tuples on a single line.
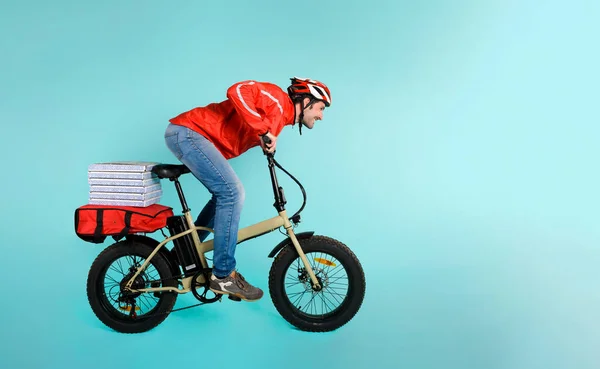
[(93, 223)]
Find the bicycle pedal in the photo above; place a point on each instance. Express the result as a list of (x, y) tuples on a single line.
[(234, 298)]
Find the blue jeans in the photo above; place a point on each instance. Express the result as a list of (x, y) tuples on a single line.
[(222, 211)]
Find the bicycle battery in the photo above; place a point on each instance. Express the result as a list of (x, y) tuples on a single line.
[(184, 246)]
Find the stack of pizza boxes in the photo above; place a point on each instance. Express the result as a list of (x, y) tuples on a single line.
[(123, 183)]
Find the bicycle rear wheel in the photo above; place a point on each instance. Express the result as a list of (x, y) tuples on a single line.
[(130, 312)]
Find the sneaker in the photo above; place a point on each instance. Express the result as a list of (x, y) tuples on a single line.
[(236, 286)]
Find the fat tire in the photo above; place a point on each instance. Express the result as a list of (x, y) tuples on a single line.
[(356, 284), (96, 293)]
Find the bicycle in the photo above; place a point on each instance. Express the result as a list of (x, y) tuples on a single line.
[(185, 269)]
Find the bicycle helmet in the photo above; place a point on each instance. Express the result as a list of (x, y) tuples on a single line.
[(306, 87)]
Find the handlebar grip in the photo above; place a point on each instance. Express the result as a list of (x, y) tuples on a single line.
[(266, 139)]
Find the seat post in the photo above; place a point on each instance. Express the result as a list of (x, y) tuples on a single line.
[(180, 194)]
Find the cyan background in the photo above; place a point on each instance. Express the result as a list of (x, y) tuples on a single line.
[(459, 160)]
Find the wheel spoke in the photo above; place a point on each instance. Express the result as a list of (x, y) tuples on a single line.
[(336, 272), (120, 270), (112, 279), (335, 296), (120, 267), (144, 300), (323, 299), (301, 295)]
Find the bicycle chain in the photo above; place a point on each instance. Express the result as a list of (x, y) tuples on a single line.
[(179, 309)]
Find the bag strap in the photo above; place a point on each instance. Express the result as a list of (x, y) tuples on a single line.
[(99, 224), (127, 223), (125, 231)]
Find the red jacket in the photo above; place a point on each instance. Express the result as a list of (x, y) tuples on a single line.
[(235, 125)]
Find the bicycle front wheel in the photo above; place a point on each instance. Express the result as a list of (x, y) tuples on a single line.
[(339, 273)]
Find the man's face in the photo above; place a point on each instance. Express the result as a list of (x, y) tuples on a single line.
[(313, 113)]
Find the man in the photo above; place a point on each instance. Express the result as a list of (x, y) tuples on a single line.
[(204, 138)]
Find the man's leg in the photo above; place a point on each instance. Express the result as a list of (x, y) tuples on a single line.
[(209, 166), (206, 218)]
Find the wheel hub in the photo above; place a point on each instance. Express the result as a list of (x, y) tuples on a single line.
[(138, 283), (307, 282)]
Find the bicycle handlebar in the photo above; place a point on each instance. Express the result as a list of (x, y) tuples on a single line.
[(267, 140)]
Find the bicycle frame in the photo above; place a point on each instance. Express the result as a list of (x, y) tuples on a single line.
[(252, 231)]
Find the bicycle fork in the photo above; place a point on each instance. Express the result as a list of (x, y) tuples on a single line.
[(289, 229)]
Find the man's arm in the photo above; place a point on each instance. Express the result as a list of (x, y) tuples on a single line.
[(243, 96)]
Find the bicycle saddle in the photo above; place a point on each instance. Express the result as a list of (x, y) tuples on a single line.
[(170, 171)]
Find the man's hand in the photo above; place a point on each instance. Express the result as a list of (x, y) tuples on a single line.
[(269, 147)]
